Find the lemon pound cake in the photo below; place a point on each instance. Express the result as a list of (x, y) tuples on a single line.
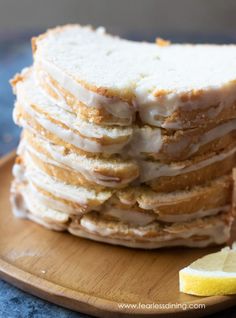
[(126, 143)]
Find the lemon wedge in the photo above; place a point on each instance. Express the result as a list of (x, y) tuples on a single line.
[(213, 274)]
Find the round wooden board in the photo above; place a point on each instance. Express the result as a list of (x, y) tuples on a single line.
[(90, 277)]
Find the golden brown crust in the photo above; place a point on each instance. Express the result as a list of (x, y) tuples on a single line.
[(19, 77), (194, 118), (34, 43), (159, 184), (124, 232), (104, 140), (124, 95), (216, 193), (97, 115), (197, 177), (212, 195), (32, 122), (189, 119), (181, 145), (166, 184), (50, 31), (78, 208), (129, 170), (175, 147), (70, 176), (67, 176), (123, 235), (195, 240), (162, 42)]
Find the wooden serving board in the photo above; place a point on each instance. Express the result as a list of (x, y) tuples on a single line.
[(90, 277)]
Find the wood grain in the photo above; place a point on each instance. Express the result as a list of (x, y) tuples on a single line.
[(92, 277)]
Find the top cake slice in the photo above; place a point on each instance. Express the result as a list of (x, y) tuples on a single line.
[(111, 80)]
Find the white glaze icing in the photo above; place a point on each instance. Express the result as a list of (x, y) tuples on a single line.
[(28, 93), (147, 244), (114, 106), (214, 133), (145, 140), (50, 202), (43, 211), (129, 216), (80, 195), (148, 106), (218, 231), (150, 170), (69, 136), (88, 167)]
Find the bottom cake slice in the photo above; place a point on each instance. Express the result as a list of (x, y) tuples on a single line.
[(101, 223)]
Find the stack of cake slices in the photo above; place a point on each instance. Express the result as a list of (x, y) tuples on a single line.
[(124, 142)]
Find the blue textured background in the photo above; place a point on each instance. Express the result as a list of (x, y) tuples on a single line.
[(15, 53)]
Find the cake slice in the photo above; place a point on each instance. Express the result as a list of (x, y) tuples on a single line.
[(144, 231), (113, 80), (198, 233), (131, 203), (43, 114)]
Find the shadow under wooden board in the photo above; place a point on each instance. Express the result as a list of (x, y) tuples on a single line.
[(95, 278)]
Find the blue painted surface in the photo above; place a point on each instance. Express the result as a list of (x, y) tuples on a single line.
[(15, 303), (14, 55)]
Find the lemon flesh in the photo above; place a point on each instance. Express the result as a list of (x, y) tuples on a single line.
[(213, 274)]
